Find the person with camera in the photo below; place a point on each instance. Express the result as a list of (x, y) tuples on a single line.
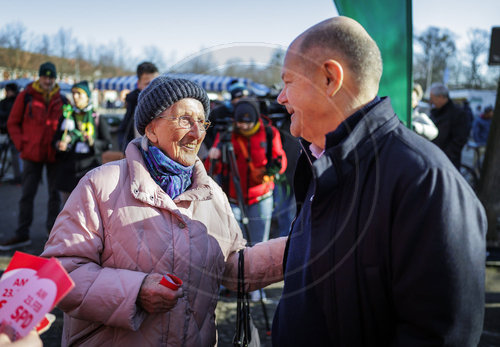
[(224, 112), (259, 157)]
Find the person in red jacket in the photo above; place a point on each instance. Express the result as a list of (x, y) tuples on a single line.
[(259, 157), (31, 125)]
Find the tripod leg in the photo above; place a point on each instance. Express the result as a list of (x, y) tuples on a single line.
[(264, 311), (229, 150)]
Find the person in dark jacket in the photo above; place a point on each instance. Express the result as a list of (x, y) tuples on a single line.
[(32, 124), (6, 104), (468, 112), (452, 123), (388, 244), (80, 140), (481, 126), (146, 72)]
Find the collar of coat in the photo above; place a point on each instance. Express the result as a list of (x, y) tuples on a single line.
[(438, 112), (342, 157), (144, 188), (47, 96)]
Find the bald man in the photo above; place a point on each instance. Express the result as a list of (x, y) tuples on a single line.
[(388, 245)]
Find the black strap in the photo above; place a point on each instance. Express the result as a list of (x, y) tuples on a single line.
[(27, 100), (269, 140), (243, 334), (237, 335)]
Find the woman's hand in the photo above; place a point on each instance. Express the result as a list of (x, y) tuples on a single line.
[(155, 298), (30, 340)]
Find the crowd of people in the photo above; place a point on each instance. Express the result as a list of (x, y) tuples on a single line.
[(48, 132), (387, 242)]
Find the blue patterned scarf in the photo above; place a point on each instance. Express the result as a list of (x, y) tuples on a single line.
[(171, 176)]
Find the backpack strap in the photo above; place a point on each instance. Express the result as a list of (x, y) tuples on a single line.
[(269, 141), (28, 98), (64, 99), (27, 101)]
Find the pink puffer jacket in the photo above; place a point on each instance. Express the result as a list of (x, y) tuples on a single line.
[(119, 225)]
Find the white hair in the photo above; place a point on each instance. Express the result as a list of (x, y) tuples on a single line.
[(145, 142), (439, 89)]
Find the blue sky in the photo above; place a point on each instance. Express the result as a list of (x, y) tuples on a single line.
[(181, 28)]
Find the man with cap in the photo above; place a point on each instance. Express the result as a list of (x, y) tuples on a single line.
[(31, 125), (80, 140), (259, 156)]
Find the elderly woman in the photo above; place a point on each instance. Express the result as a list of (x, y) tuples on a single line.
[(156, 212)]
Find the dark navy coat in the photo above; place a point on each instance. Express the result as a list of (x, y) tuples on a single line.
[(454, 127), (397, 245)]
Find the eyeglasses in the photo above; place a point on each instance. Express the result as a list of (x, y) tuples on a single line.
[(187, 122)]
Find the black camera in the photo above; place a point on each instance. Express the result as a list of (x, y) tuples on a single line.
[(225, 127), (269, 106)]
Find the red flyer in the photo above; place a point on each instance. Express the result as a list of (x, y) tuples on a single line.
[(30, 287)]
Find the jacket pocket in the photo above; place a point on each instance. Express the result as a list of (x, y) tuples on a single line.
[(30, 148)]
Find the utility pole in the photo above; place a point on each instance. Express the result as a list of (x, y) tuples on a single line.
[(429, 72)]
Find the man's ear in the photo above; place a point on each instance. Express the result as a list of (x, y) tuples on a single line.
[(150, 132), (334, 76)]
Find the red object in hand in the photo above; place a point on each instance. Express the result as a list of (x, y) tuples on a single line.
[(171, 281), (45, 323)]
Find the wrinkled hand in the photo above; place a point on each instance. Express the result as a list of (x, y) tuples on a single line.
[(30, 340), (214, 153), (155, 298)]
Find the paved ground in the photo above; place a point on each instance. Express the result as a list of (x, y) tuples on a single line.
[(9, 196)]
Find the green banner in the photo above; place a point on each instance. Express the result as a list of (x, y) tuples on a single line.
[(389, 23)]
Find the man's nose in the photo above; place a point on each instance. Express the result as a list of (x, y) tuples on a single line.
[(281, 97)]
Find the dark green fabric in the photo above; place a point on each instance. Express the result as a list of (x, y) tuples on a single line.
[(83, 85), (389, 23)]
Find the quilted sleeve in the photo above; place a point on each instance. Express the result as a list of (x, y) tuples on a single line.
[(104, 295)]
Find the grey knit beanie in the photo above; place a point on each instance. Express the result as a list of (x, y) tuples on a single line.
[(162, 93)]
